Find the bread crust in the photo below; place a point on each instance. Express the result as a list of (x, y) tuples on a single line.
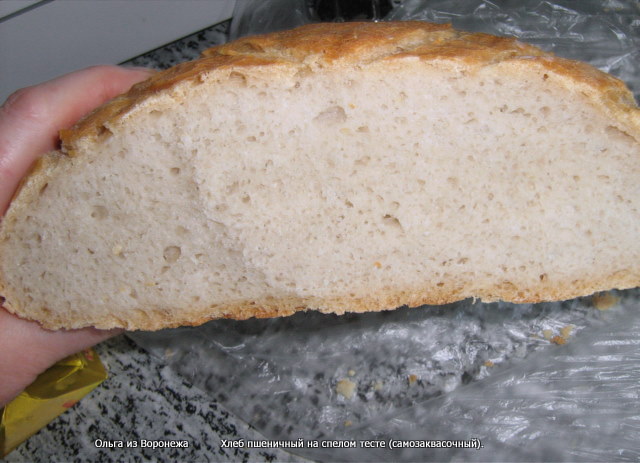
[(358, 44), (336, 46)]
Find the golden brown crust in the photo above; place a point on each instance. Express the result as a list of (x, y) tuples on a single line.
[(153, 318), (323, 46), (357, 44)]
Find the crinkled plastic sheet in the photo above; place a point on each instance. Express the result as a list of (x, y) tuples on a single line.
[(533, 382)]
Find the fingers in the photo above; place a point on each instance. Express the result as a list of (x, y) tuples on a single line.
[(31, 118), (28, 350)]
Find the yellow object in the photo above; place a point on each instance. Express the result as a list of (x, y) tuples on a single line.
[(50, 395)]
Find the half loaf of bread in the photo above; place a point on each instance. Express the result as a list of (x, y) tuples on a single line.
[(337, 167)]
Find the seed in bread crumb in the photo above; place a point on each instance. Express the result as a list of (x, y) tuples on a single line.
[(377, 264), (548, 334), (488, 363), (351, 372), (412, 379), (604, 301), (377, 385), (116, 250), (559, 340), (346, 388), (348, 423)]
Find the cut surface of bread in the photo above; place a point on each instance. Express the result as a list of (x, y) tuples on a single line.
[(337, 167)]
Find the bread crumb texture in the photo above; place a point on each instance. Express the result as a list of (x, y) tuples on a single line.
[(336, 167)]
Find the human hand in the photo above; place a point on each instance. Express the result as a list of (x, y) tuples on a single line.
[(29, 123)]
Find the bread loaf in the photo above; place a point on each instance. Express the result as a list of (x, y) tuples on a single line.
[(337, 167)]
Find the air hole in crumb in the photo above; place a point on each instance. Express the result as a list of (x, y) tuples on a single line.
[(391, 221), (545, 111), (251, 138), (164, 269), (331, 116), (543, 277), (171, 253), (363, 129), (180, 230), (348, 203), (246, 199), (363, 161), (104, 131), (99, 212), (44, 187), (238, 78), (618, 134)]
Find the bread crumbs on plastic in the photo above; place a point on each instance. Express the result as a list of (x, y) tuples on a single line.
[(346, 388), (604, 301)]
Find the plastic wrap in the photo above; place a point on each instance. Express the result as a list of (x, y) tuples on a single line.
[(531, 382)]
